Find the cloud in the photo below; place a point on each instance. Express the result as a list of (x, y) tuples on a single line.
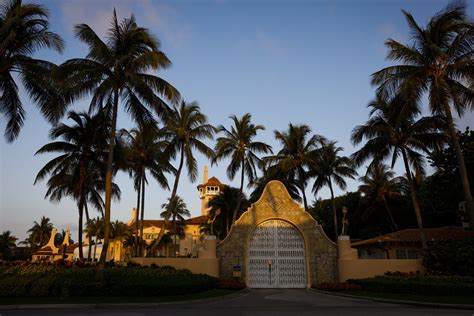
[(161, 19)]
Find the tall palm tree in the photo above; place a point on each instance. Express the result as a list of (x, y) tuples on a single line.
[(114, 70), (380, 184), (175, 209), (7, 243), (297, 153), (145, 150), (24, 29), (188, 127), (238, 144), (40, 232), (79, 169), (438, 62), (328, 168), (394, 130)]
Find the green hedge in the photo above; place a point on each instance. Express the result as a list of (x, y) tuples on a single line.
[(451, 257), (421, 284), (42, 281)]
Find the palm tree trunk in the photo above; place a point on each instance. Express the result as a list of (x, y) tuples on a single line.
[(462, 166), (391, 221), (79, 237), (414, 200), (178, 173), (142, 211), (334, 211), (302, 188), (241, 189), (137, 213), (108, 191), (174, 232), (86, 208), (95, 247)]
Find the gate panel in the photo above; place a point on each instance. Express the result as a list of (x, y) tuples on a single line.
[(276, 256)]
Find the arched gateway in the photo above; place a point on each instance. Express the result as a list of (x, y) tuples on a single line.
[(275, 243)]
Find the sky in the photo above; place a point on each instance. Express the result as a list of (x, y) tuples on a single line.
[(304, 62)]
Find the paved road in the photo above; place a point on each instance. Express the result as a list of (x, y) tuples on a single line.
[(260, 302)]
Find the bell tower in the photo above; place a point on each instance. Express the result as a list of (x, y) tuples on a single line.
[(209, 189)]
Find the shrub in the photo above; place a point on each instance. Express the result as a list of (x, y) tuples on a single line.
[(452, 257), (62, 281), (419, 284)]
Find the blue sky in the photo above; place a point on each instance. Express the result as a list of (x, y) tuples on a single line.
[(282, 61)]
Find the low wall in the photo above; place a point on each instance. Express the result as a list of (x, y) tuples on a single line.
[(366, 268), (209, 266)]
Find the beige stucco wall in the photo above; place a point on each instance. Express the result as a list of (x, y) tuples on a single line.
[(276, 203), (366, 268), (209, 266), (350, 267)]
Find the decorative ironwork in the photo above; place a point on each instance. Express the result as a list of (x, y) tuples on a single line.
[(276, 256)]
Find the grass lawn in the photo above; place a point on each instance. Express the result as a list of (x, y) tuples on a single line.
[(413, 297), (113, 299)]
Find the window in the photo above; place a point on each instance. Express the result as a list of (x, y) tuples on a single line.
[(371, 254), (407, 254)]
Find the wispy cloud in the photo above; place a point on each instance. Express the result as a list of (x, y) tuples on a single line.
[(161, 19)]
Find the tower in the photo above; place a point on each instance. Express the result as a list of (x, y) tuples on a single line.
[(208, 190)]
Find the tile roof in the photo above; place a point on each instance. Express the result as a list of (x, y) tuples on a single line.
[(199, 220), (212, 182), (413, 235), (44, 251)]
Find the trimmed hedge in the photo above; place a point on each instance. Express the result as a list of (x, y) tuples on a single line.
[(56, 281), (451, 257), (419, 284)]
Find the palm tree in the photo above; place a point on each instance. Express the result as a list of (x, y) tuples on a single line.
[(438, 62), (24, 29), (328, 167), (188, 127), (222, 208), (40, 232), (114, 70), (379, 184), (7, 243), (145, 150), (95, 228), (238, 144), (392, 131), (79, 170), (175, 210), (297, 153)]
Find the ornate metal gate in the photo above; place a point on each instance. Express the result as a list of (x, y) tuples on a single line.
[(276, 256)]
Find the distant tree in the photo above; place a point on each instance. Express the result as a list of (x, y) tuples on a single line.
[(79, 170), (238, 144), (24, 29), (378, 185), (95, 228), (297, 153), (7, 243), (437, 62), (394, 130), (329, 168), (40, 232), (59, 238), (144, 150), (188, 128), (274, 173), (175, 210)]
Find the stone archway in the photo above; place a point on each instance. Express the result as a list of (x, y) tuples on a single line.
[(320, 253), (276, 256)]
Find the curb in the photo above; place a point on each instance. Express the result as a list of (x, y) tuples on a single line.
[(121, 305), (404, 302)]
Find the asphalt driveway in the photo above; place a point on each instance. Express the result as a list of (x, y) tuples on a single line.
[(271, 302)]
